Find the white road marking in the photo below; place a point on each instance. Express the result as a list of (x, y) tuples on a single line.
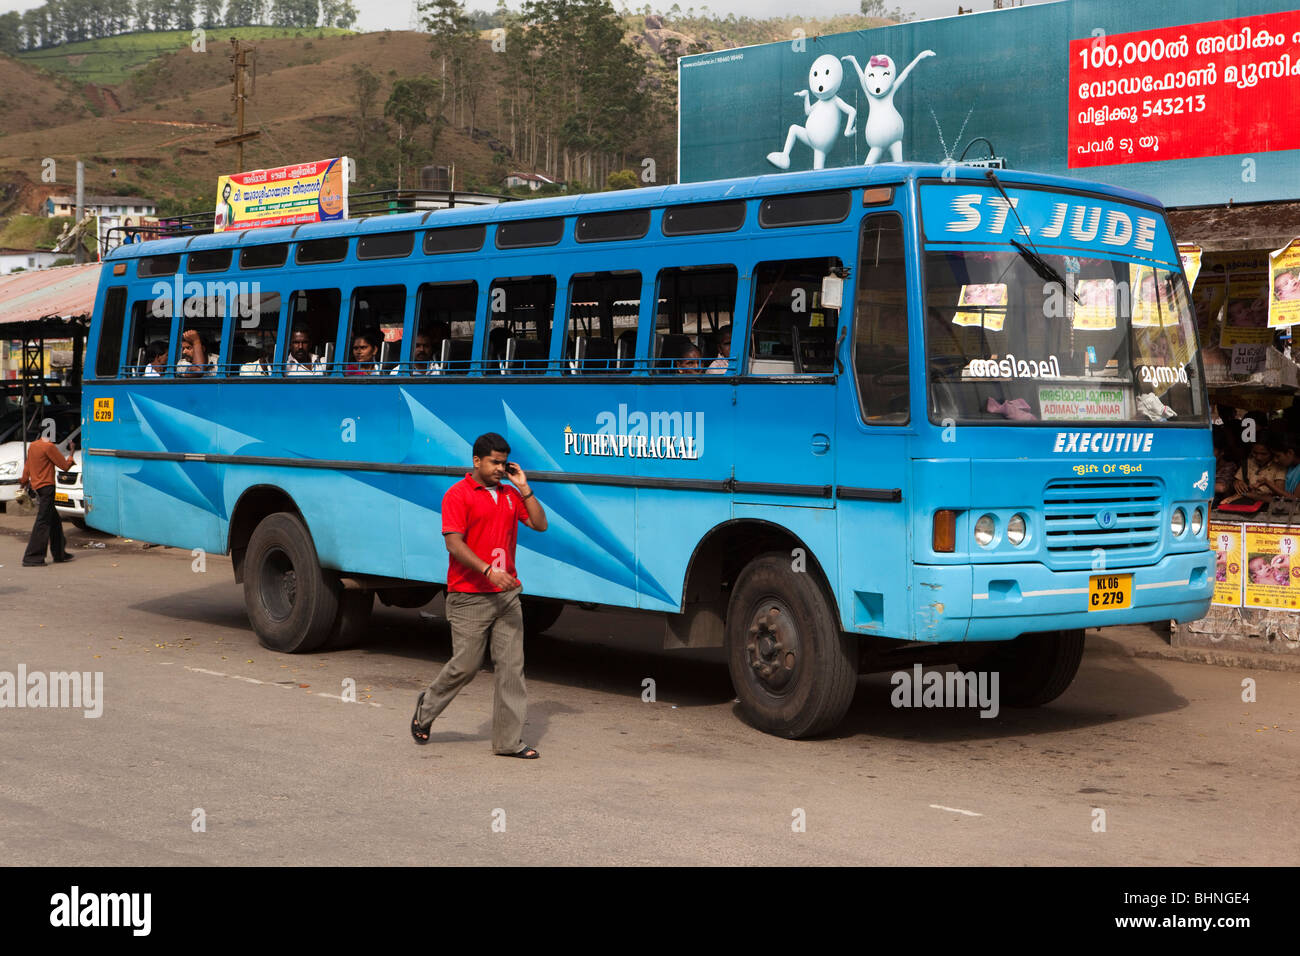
[(969, 813), (254, 680)]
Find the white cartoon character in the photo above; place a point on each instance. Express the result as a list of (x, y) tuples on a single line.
[(884, 124), (823, 116)]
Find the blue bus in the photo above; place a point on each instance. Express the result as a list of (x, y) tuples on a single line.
[(962, 417)]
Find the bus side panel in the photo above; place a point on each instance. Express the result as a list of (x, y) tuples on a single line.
[(352, 513), (176, 503), (668, 519)]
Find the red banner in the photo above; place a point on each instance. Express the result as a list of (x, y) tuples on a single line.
[(1203, 89)]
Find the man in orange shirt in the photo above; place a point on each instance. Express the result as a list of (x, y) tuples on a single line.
[(43, 457)]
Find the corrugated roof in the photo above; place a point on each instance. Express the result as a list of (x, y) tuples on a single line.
[(1260, 226), (63, 291)]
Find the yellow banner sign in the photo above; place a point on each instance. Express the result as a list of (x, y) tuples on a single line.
[(1272, 569), (1226, 539), (284, 196)]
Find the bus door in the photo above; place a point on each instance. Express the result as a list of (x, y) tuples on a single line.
[(872, 464), (785, 410)]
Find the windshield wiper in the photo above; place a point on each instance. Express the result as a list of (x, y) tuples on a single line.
[(1044, 269)]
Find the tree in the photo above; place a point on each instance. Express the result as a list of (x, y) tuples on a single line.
[(365, 87), (11, 37), (623, 179), (876, 8), (183, 13), (210, 13), (408, 106), (345, 15)]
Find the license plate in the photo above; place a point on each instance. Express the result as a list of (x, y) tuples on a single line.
[(1109, 592), (61, 497)]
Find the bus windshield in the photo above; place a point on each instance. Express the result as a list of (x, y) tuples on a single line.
[(1047, 305), (1114, 342)]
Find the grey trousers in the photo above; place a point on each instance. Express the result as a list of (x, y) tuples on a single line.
[(475, 620)]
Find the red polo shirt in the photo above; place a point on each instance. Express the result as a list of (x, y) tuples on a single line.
[(468, 509)]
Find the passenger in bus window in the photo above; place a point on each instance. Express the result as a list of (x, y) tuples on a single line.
[(682, 355), (720, 364), (155, 358), (365, 353), (302, 360), (262, 364), (196, 358), (427, 345)]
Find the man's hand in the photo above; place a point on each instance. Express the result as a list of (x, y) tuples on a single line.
[(502, 579), (517, 477), (189, 336), (1240, 487)]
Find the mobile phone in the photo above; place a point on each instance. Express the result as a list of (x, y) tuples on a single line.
[(512, 468)]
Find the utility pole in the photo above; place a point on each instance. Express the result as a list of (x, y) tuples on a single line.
[(239, 56), (79, 250)]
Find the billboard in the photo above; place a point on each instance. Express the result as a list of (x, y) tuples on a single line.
[(284, 196), (1192, 101)]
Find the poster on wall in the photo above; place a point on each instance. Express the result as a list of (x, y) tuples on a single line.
[(1284, 286), (1226, 539), (1272, 568), (982, 306), (1190, 254), (1245, 318), (284, 196)]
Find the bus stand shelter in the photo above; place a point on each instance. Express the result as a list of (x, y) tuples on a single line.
[(1256, 606), (37, 309)]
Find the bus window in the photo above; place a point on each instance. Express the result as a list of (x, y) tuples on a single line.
[(519, 334), (314, 321), (694, 305), (374, 330), (110, 333), (793, 332), (254, 335), (880, 316), (151, 326), (201, 322), (444, 316), (603, 312)]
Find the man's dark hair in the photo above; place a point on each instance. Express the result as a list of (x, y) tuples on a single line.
[(300, 328), (154, 350), (1281, 441), (487, 443)]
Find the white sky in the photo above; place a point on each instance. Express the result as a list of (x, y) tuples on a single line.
[(396, 14)]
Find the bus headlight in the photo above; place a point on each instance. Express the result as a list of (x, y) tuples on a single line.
[(985, 528), (1178, 523), (1198, 521), (1016, 530)]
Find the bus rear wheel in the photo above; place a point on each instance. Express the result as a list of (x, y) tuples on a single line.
[(792, 667), (292, 602), (350, 626), (540, 614), (1035, 669)]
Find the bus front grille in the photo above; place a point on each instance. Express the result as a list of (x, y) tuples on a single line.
[(1089, 519)]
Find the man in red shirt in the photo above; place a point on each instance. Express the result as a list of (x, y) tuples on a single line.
[(480, 518), (43, 457)]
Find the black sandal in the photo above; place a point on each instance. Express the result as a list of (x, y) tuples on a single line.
[(528, 753), (421, 736)]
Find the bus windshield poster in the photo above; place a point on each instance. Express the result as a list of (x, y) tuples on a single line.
[(284, 196)]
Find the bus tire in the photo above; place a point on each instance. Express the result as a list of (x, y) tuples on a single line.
[(409, 597), (540, 614), (353, 618), (793, 669), (292, 602), (1035, 669)]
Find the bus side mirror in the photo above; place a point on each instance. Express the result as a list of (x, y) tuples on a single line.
[(329, 354), (832, 292)]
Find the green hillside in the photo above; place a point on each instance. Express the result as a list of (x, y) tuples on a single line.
[(111, 60)]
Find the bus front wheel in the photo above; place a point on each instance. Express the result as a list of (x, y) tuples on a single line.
[(292, 602), (792, 667), (1035, 669)]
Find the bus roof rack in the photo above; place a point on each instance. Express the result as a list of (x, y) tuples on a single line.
[(380, 202)]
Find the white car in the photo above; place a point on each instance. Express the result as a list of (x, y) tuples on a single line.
[(11, 470), (69, 498)]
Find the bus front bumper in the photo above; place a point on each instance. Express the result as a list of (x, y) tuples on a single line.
[(996, 602)]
